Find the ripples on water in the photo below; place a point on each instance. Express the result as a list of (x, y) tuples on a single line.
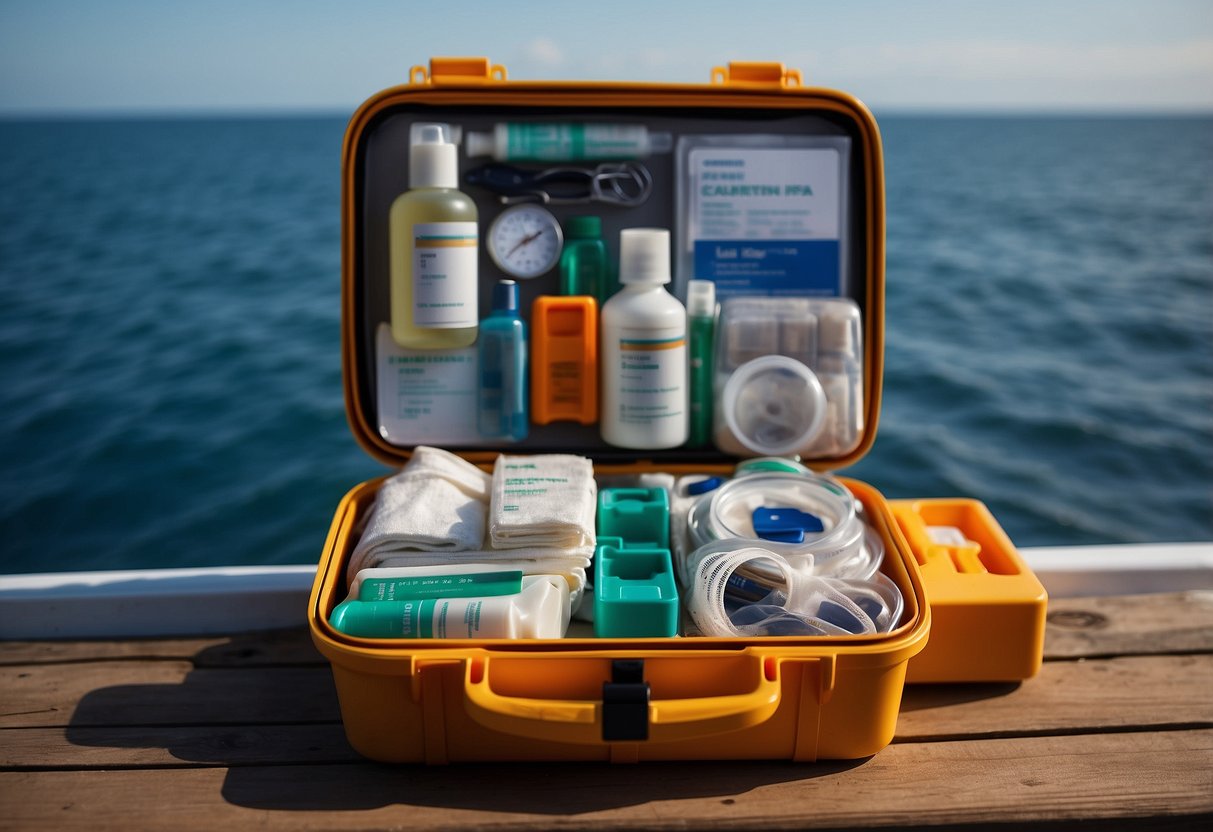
[(169, 334)]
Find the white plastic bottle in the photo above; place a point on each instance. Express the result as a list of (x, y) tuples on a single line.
[(645, 401), (433, 248)]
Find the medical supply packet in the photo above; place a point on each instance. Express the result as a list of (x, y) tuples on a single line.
[(764, 215)]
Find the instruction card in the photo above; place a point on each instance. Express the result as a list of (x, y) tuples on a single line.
[(426, 397), (768, 220)]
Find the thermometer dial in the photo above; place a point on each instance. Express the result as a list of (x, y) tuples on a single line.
[(525, 241)]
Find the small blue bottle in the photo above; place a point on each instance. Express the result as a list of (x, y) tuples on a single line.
[(503, 394)]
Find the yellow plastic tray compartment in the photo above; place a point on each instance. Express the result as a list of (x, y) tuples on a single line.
[(987, 607)]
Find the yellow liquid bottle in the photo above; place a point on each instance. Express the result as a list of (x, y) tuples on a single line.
[(434, 249)]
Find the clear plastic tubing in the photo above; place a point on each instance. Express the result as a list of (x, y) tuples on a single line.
[(726, 513)]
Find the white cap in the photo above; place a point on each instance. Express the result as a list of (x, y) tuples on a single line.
[(701, 298), (433, 157), (644, 255)]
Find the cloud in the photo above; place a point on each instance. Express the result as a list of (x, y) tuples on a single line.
[(1023, 60), (544, 52)]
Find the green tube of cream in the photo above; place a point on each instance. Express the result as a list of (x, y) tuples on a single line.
[(538, 610)]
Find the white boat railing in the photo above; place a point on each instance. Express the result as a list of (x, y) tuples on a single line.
[(231, 599)]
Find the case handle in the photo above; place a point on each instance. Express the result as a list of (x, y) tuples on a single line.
[(573, 721), (458, 71), (756, 74)]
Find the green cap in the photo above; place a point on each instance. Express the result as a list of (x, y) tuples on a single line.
[(583, 228)]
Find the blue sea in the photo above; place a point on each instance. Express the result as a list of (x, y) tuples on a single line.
[(170, 353)]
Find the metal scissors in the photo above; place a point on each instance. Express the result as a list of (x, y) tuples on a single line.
[(615, 183)]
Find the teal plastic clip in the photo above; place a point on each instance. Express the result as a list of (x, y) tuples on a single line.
[(634, 591), (641, 516)]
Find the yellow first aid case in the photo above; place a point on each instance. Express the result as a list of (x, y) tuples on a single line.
[(632, 699)]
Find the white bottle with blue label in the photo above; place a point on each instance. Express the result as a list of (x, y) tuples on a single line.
[(644, 349)]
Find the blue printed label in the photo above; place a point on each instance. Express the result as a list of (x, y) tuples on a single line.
[(769, 267)]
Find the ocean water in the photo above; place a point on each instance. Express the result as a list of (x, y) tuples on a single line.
[(169, 334)]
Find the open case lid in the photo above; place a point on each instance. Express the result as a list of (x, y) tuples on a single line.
[(742, 101)]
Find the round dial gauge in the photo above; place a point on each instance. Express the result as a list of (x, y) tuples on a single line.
[(525, 241)]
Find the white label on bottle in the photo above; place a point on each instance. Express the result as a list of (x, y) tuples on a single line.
[(456, 618), (652, 379), (444, 274)]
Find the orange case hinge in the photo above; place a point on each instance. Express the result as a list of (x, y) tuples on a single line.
[(756, 74), (457, 71)]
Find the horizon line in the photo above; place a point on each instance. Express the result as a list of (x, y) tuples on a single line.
[(277, 112)]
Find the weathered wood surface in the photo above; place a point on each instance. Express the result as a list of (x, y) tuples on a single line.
[(244, 731), (1180, 622), (1111, 776)]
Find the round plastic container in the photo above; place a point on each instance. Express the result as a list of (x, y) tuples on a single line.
[(772, 405)]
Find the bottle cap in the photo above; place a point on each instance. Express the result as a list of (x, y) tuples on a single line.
[(644, 255), (433, 157), (701, 298), (583, 228), (704, 486), (505, 297)]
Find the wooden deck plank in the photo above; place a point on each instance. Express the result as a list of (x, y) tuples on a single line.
[(1180, 622), (167, 746), (1102, 777), (269, 647), (199, 733), (1162, 692), (1065, 697), (163, 693)]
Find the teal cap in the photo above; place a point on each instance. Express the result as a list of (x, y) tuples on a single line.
[(583, 228), (505, 297)]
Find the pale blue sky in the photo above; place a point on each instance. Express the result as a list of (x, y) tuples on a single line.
[(140, 56)]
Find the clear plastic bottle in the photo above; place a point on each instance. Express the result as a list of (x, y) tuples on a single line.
[(433, 245), (644, 349)]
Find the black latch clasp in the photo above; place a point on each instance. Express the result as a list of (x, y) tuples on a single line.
[(625, 702)]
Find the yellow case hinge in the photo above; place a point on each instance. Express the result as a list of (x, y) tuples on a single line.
[(457, 71), (756, 74)]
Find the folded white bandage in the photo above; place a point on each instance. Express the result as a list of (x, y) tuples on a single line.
[(437, 503), (546, 500)]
